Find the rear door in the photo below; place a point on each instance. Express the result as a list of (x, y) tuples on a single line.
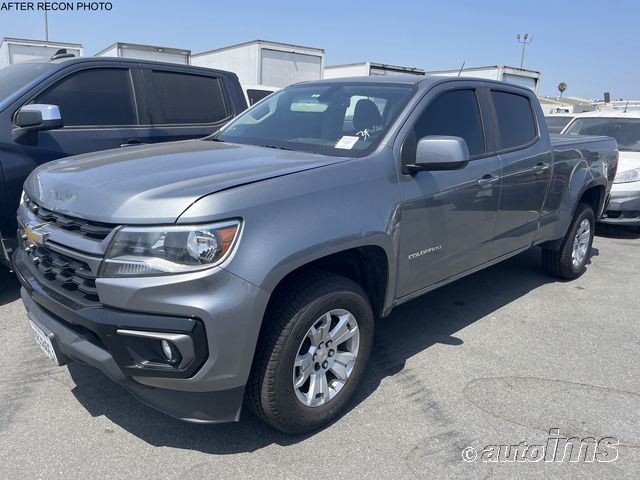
[(526, 168), (448, 217), (186, 104)]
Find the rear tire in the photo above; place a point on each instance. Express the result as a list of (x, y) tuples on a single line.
[(570, 260), (283, 389)]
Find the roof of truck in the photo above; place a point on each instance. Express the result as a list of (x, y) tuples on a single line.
[(427, 80), (89, 60)]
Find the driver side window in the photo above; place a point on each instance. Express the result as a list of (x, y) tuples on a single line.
[(94, 97), (455, 113)]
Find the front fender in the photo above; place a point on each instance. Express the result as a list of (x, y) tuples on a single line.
[(293, 220)]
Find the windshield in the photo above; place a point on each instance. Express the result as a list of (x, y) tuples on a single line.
[(16, 79), (625, 130), (329, 118)]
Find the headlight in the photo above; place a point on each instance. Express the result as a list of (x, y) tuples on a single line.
[(150, 251), (628, 176)]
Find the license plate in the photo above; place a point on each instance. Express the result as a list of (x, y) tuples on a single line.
[(44, 341)]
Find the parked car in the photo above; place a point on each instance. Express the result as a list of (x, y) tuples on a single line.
[(557, 122), (69, 106), (255, 93), (624, 126), (253, 263)]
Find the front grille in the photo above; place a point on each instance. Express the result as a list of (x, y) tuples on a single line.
[(62, 272), (86, 228)]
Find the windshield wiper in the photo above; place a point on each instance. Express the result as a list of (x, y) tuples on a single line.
[(279, 148)]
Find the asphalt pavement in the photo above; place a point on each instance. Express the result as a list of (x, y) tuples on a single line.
[(502, 357)]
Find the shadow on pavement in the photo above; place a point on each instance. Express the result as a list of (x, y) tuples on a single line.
[(413, 327), (9, 286), (614, 231)]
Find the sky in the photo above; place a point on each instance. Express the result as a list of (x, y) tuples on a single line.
[(591, 45)]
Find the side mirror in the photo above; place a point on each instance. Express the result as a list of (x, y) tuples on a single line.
[(31, 119), (439, 152)]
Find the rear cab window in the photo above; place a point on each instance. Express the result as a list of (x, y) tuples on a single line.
[(516, 120), (188, 99)]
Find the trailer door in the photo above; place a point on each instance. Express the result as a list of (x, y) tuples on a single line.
[(281, 69)]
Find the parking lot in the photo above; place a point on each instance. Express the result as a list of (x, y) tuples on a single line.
[(500, 357)]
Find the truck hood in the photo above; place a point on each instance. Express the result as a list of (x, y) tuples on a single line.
[(156, 184)]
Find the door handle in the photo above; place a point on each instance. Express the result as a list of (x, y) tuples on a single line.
[(540, 168), (487, 180)]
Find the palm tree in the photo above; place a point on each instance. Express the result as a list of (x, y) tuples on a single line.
[(562, 87)]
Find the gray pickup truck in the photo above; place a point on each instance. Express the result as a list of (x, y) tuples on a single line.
[(251, 265)]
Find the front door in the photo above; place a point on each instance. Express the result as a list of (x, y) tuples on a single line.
[(447, 217)]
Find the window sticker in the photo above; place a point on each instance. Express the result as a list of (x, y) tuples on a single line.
[(347, 142)]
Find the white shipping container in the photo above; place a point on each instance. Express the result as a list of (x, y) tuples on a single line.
[(265, 63), (18, 50), (147, 52), (369, 69), (519, 76)]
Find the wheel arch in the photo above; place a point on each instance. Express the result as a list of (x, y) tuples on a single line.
[(367, 265)]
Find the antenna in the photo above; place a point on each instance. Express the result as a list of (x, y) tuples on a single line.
[(461, 68)]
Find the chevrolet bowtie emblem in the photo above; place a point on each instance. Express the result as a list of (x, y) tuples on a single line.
[(36, 234)]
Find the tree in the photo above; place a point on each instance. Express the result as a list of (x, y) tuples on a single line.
[(562, 87)]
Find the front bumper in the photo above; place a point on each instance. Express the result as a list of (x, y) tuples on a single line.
[(211, 391), (623, 209)]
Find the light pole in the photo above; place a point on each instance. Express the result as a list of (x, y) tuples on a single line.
[(46, 26), (524, 43)]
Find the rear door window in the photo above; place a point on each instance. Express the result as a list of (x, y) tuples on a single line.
[(189, 99), (516, 120), (95, 97)]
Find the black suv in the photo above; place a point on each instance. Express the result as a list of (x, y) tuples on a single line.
[(69, 106)]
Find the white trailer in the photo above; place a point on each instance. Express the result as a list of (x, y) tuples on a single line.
[(369, 69), (262, 62), (17, 50), (519, 76), (147, 52)]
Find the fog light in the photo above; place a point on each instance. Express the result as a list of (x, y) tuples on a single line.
[(167, 351)]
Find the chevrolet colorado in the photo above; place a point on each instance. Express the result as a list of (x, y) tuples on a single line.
[(252, 264)]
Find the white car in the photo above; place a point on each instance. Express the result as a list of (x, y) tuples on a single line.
[(624, 126)]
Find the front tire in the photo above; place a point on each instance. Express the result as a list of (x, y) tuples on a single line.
[(570, 261), (312, 353)]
